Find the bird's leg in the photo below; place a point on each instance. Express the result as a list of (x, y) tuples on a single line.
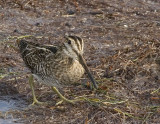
[(61, 96), (35, 101)]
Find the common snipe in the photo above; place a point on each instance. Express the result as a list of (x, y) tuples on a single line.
[(55, 65)]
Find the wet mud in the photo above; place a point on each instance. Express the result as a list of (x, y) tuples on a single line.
[(122, 49)]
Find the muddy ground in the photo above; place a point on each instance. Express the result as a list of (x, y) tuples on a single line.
[(122, 48)]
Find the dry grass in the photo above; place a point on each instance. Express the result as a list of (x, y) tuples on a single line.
[(122, 49)]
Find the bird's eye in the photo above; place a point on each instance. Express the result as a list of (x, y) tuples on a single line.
[(69, 41)]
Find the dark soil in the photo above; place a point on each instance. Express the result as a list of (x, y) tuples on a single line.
[(122, 49)]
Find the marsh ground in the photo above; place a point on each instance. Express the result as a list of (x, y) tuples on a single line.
[(122, 42)]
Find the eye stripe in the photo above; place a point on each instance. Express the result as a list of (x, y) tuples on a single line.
[(75, 40), (73, 37), (79, 45), (81, 42), (78, 42)]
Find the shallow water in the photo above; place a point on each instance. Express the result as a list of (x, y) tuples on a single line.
[(8, 104), (9, 121)]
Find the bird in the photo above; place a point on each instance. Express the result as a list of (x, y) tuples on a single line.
[(55, 66)]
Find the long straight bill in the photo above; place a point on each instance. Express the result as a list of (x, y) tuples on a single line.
[(83, 62)]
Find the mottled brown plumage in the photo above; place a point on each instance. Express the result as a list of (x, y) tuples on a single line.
[(55, 65)]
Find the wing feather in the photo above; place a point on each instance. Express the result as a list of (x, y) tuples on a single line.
[(34, 54)]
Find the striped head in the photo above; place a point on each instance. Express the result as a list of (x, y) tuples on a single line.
[(73, 46)]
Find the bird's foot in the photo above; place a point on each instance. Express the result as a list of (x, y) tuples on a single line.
[(35, 101), (65, 100), (69, 101)]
